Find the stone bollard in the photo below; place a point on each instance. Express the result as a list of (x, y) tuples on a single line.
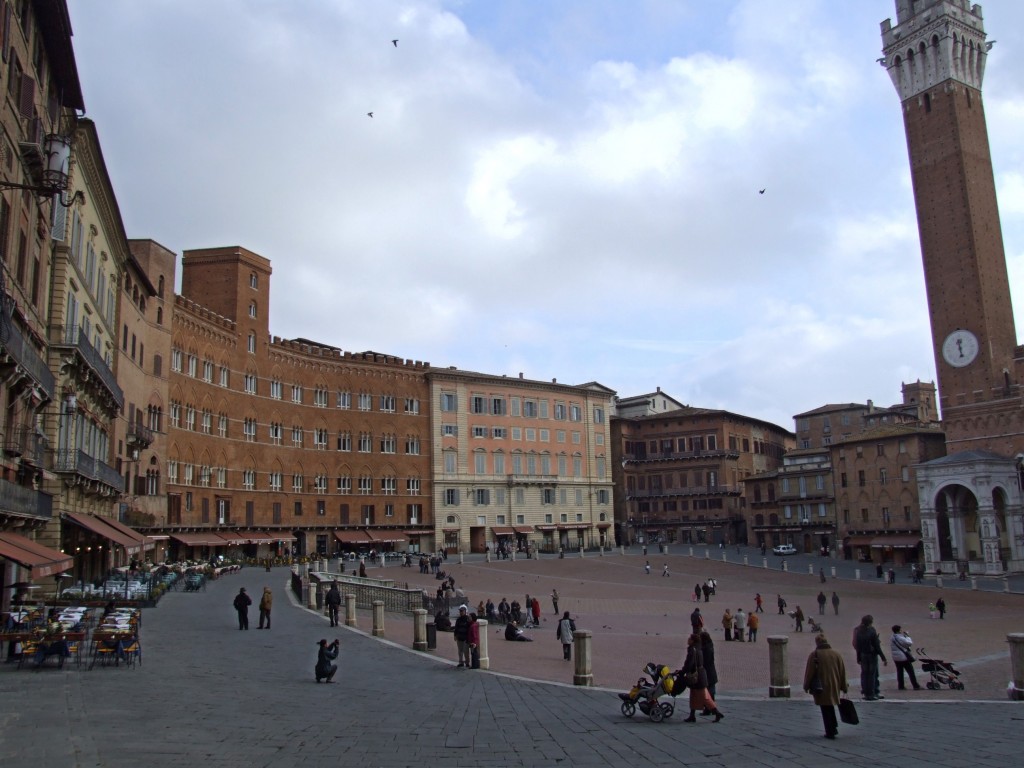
[(513, 555), (600, 550), (745, 560), (785, 566), (581, 551), (419, 629), (664, 549), (378, 618), (810, 569), (350, 610), (383, 561), (1006, 584), (856, 574), (764, 562), (938, 582), (833, 571), (485, 659), (691, 551), (488, 556), (303, 569), (311, 593), (582, 663), (974, 583), (707, 554), (461, 558), (725, 558), (778, 667), (622, 550), (1016, 689)]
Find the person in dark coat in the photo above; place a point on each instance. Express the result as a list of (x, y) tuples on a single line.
[(869, 651), (266, 604), (707, 648), (827, 665), (242, 603), (821, 603), (333, 600), (328, 652), (700, 696)]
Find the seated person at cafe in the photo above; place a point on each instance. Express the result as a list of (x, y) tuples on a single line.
[(514, 632)]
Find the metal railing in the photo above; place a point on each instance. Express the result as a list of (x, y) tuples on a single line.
[(20, 500), (81, 463), (25, 356), (72, 336)]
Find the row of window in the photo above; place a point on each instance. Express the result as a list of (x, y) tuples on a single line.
[(883, 477), (482, 497), (522, 463), (519, 434), (367, 513), (252, 480), (516, 407), (886, 516)]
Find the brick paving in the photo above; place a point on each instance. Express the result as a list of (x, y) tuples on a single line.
[(211, 695)]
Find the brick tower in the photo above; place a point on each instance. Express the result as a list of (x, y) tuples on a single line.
[(970, 499)]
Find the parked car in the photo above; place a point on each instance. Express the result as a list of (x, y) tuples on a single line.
[(784, 549)]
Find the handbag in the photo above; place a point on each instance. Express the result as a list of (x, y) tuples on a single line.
[(848, 712)]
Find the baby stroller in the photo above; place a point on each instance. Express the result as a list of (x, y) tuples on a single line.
[(639, 695), (942, 672)]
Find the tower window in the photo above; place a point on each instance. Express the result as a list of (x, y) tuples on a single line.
[(927, 102)]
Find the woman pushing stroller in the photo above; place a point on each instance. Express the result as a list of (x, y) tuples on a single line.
[(696, 679)]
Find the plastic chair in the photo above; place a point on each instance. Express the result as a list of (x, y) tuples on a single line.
[(132, 652)]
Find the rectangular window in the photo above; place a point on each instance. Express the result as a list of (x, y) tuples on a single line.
[(297, 436), (560, 411), (449, 402), (250, 383), (412, 445), (499, 463), (388, 444), (480, 463), (481, 497), (479, 431), (499, 433), (276, 481), (275, 433), (389, 486), (547, 495), (478, 404), (449, 430), (498, 407), (248, 479), (249, 429), (298, 509), (451, 497), (545, 435), (344, 441), (450, 459), (412, 486), (320, 439), (530, 409), (296, 393), (531, 435), (365, 442), (412, 405), (297, 483), (320, 398), (345, 485)]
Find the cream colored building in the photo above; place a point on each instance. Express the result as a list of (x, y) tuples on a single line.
[(519, 463)]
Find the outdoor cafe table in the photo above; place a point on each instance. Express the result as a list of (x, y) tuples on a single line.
[(111, 640)]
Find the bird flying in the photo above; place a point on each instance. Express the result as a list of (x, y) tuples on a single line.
[(394, 43), (369, 114), (760, 192)]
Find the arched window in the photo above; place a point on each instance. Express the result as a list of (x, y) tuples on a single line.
[(160, 286)]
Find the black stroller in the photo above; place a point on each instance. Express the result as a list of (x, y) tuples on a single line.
[(942, 673)]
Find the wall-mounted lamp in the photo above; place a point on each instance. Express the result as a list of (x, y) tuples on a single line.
[(51, 168)]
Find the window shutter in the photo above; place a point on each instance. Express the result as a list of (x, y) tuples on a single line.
[(28, 96), (60, 221)]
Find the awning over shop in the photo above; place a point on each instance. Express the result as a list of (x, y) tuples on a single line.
[(572, 526), (546, 527), (896, 542), (41, 561), (858, 541), (500, 530), (522, 529), (145, 542), (209, 539), (99, 526), (418, 533), (388, 537), (604, 525), (353, 537)]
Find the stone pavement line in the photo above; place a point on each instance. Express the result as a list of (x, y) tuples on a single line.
[(208, 694)]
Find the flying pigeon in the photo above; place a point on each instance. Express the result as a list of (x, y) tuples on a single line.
[(369, 114), (394, 43), (760, 192)]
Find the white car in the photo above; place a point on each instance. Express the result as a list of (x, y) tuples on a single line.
[(785, 549)]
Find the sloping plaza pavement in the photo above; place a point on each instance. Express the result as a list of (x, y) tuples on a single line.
[(208, 694)]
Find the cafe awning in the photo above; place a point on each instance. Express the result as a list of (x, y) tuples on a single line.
[(41, 561), (233, 538), (572, 526), (99, 526), (545, 527), (145, 542), (388, 537), (896, 542), (522, 529), (502, 530), (859, 541), (353, 537), (209, 539)]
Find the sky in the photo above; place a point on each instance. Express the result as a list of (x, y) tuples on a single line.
[(567, 189)]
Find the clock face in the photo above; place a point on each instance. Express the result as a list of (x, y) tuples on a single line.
[(960, 348)]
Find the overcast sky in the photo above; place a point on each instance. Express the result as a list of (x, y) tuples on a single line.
[(563, 188)]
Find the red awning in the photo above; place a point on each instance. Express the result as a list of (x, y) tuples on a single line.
[(604, 525), (209, 539), (522, 529), (41, 561), (353, 537), (387, 537), (572, 526), (545, 527), (896, 542), (502, 531), (99, 526), (146, 542)]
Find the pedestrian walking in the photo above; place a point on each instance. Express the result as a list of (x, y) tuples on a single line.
[(242, 603), (758, 603), (696, 593), (752, 624), (869, 651), (333, 600), (707, 648), (460, 631), (940, 606), (566, 626), (835, 603), (901, 650), (825, 679), (782, 606), (707, 592), (821, 574), (647, 567), (798, 617), (535, 610), (696, 677), (696, 621), (266, 602), (664, 570), (821, 603), (554, 600), (892, 576), (324, 669)]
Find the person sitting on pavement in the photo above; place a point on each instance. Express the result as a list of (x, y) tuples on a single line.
[(514, 632)]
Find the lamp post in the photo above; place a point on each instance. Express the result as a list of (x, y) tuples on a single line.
[(55, 158)]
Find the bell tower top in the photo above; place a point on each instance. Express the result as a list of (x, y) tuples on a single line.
[(934, 41)]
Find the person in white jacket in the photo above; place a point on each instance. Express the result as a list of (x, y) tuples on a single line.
[(902, 649), (739, 624), (566, 626)]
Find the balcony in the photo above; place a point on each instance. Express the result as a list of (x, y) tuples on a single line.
[(14, 350), (25, 443), (693, 490), (532, 480), (139, 437), (718, 453), (85, 470), (21, 501), (72, 339)]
